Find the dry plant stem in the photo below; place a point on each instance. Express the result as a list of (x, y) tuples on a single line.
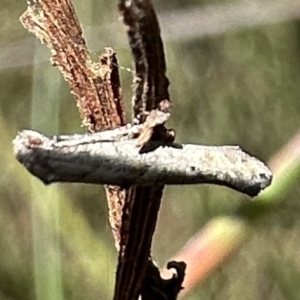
[(142, 203), (148, 53), (151, 100), (63, 159), (55, 23), (95, 85)]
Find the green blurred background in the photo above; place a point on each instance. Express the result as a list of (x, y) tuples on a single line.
[(234, 69)]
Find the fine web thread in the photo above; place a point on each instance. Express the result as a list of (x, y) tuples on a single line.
[(124, 68)]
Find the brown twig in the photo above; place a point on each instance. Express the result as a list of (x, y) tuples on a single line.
[(151, 104), (95, 85), (55, 23)]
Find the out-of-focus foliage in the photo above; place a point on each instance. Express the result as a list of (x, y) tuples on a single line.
[(241, 87)]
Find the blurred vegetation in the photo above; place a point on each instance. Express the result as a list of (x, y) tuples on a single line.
[(241, 87)]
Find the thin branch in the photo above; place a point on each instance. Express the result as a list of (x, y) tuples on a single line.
[(55, 23), (95, 85), (148, 54), (141, 204), (84, 159)]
